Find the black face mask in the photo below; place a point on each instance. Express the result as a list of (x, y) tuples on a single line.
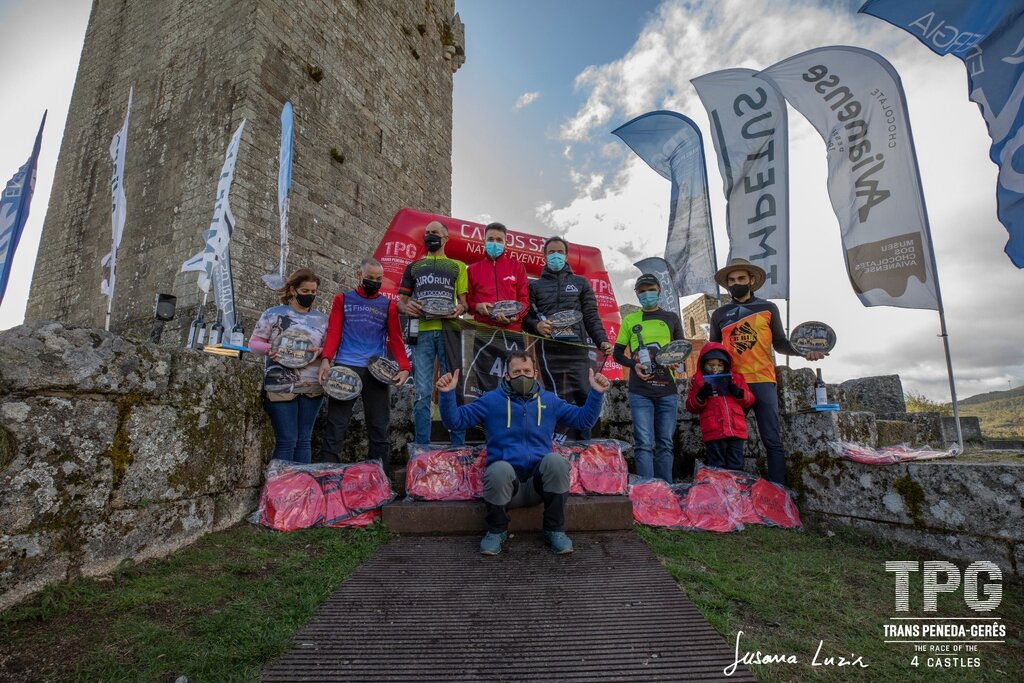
[(432, 242), (371, 287), (522, 385), (739, 291), (305, 300)]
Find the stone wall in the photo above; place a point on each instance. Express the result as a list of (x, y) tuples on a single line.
[(371, 83), (111, 450)]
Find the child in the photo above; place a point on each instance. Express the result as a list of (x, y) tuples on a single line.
[(722, 403)]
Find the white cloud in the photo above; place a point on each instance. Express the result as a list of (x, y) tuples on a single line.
[(526, 99), (627, 215)]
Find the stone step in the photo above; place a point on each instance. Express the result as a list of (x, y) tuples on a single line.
[(582, 513), (895, 432), (1003, 444)]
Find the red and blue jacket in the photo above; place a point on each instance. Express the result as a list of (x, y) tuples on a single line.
[(721, 417)]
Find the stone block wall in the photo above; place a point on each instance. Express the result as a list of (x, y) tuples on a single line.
[(112, 450)]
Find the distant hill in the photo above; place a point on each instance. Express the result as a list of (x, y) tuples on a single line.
[(1001, 412)]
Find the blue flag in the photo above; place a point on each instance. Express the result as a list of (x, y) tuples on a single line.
[(988, 35), (14, 203), (671, 144)]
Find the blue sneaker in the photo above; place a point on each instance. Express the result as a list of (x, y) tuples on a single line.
[(559, 542), (490, 544)]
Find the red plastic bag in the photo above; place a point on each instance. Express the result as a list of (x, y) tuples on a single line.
[(603, 469), (707, 508), (358, 521), (335, 509), (291, 500), (654, 504), (774, 505), (440, 474), (475, 469), (735, 487), (364, 486), (572, 454)]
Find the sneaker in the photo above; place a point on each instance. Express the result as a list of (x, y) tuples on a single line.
[(559, 542), (490, 544)]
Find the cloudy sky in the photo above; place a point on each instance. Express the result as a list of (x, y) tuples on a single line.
[(544, 84)]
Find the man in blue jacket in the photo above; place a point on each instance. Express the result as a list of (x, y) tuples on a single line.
[(519, 418)]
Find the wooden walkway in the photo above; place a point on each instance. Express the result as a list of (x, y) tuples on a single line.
[(433, 609)]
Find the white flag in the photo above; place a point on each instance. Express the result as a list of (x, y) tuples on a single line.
[(118, 204), (854, 99), (749, 129)]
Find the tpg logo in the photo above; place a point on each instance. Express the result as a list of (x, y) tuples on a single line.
[(993, 590)]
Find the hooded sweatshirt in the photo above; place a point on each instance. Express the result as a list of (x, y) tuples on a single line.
[(721, 417), (519, 428)]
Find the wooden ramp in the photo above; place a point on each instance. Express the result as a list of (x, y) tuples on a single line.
[(433, 609)]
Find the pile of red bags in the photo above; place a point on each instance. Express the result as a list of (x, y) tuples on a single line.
[(717, 500), (297, 496), (596, 467), (445, 473), (866, 455)]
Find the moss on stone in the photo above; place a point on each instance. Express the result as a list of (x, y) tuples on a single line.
[(120, 452), (913, 498), (8, 448), (826, 472)]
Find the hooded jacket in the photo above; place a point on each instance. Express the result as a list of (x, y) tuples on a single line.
[(519, 428), (721, 417), (565, 291)]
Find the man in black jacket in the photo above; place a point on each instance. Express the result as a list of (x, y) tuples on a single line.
[(565, 360)]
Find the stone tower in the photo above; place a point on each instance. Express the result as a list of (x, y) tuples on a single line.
[(371, 84)]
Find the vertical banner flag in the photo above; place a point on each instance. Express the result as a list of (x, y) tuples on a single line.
[(118, 204), (988, 37), (659, 268), (750, 132), (854, 99), (14, 204), (213, 262), (284, 184), (671, 144)]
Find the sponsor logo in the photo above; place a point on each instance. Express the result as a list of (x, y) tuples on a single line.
[(572, 288)]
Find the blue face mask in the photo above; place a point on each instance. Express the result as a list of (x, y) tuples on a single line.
[(494, 249), (648, 299), (556, 261)]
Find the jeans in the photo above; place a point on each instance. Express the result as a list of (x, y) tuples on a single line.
[(377, 412), (549, 484), (766, 411), (654, 424), (429, 345), (293, 426)]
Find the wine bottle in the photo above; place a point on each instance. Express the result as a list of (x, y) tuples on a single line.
[(820, 394), (217, 330), (642, 354), (237, 337), (414, 329), (197, 331)]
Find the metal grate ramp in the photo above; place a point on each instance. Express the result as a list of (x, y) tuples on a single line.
[(433, 609)]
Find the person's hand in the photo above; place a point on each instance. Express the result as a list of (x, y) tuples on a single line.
[(598, 381), (814, 355), (639, 370), (606, 348), (733, 389), (400, 378), (448, 382), (544, 328), (273, 354), (484, 308), (316, 352), (502, 320), (325, 367), (413, 308), (459, 310), (704, 393)]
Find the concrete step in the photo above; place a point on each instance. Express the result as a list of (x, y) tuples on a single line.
[(582, 513)]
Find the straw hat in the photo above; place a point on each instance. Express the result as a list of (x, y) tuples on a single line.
[(757, 274)]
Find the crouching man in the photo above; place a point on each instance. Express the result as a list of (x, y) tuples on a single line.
[(519, 419)]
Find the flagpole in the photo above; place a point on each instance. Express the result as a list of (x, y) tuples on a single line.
[(787, 328), (110, 304)]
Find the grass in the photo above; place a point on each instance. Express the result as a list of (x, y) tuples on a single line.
[(787, 590), (215, 611)]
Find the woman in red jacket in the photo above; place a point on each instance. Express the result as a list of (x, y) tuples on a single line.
[(721, 398)]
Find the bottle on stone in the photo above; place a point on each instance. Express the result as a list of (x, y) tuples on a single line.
[(217, 331), (820, 394), (197, 331), (642, 354), (237, 337)]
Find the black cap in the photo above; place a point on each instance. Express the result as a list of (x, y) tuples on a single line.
[(647, 279)]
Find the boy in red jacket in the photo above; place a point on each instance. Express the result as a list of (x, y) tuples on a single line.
[(722, 402)]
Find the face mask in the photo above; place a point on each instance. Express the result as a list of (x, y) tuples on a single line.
[(305, 300), (432, 242), (371, 287), (648, 299), (522, 385), (739, 291), (495, 249), (556, 261)]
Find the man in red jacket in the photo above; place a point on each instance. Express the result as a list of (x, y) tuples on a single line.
[(496, 277), (721, 398)]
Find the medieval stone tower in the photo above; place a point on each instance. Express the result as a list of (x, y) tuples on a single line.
[(371, 84)]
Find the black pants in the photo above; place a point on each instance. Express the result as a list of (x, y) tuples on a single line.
[(727, 453), (766, 412), (377, 409), (565, 369)]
